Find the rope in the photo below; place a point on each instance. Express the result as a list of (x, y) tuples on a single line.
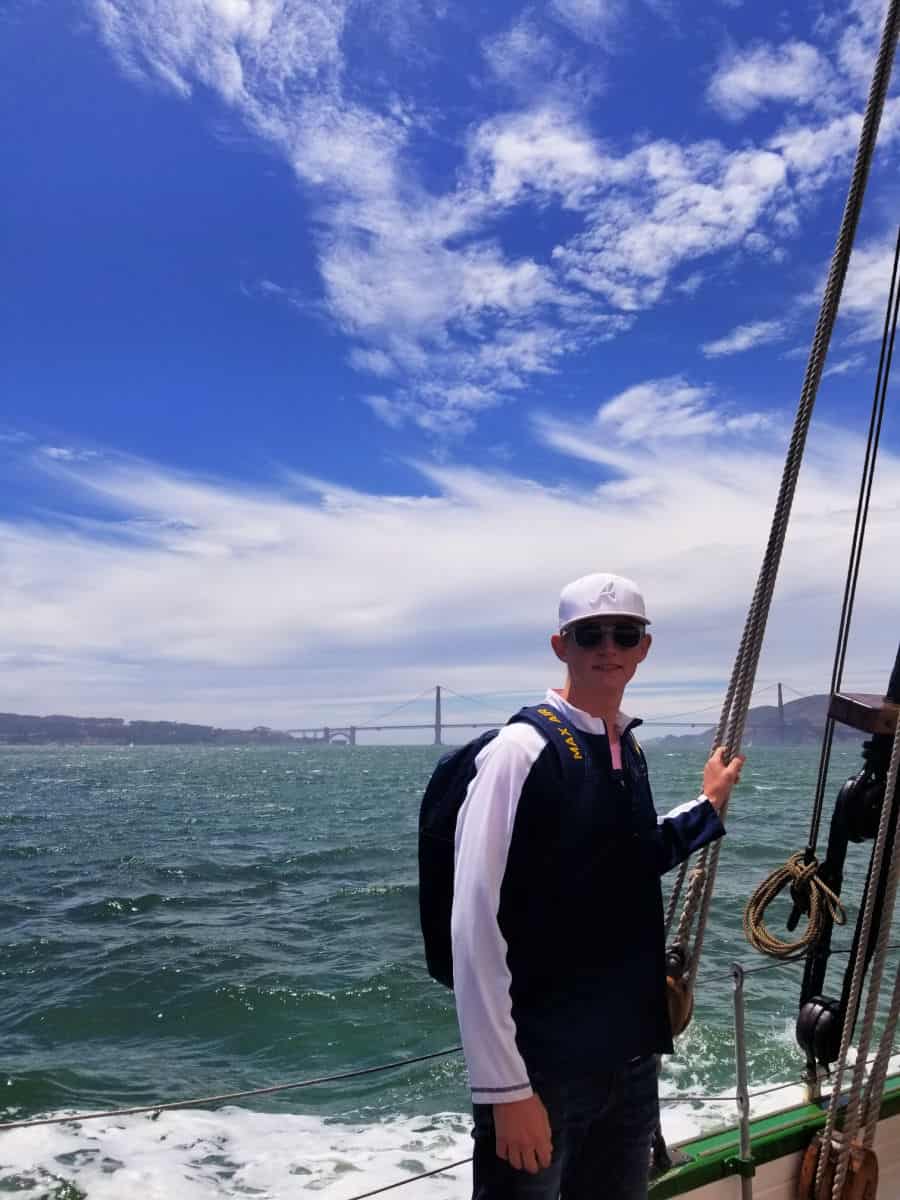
[(878, 1074), (266, 1091), (851, 1116), (801, 869), (734, 712), (412, 1179), (355, 1074), (779, 1087), (808, 891), (862, 510)]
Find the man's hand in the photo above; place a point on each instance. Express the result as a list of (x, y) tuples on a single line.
[(719, 778), (523, 1134)]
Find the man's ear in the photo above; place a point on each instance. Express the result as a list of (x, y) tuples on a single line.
[(560, 647), (646, 643)]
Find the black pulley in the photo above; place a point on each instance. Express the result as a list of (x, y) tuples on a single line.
[(856, 817), (819, 1029)]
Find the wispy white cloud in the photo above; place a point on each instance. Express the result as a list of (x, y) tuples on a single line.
[(744, 80), (417, 275), (845, 366), (814, 153), (591, 20), (690, 285), (527, 60), (664, 409), (866, 288), (856, 30), (376, 362), (745, 337), (244, 602), (68, 453), (232, 47), (544, 151), (681, 204), (521, 55)]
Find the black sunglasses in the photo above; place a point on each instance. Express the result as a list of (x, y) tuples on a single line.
[(589, 636)]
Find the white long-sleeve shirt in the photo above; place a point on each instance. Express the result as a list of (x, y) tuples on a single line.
[(484, 830)]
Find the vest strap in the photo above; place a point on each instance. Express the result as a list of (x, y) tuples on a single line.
[(567, 741)]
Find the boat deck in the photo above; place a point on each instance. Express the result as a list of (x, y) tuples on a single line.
[(778, 1140)]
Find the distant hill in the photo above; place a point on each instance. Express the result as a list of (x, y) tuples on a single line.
[(804, 721), (18, 730)]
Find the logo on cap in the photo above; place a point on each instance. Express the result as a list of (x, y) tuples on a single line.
[(608, 591)]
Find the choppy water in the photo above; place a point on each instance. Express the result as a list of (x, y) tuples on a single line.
[(186, 922)]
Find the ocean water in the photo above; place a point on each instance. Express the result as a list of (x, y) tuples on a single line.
[(183, 922)]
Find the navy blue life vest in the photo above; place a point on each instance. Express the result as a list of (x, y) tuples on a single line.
[(444, 797)]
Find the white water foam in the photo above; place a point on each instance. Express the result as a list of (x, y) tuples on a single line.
[(196, 1155), (233, 1152), (192, 1154)]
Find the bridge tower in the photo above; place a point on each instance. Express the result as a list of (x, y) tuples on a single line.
[(437, 716), (352, 735)]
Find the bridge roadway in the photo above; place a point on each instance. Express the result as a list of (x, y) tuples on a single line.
[(347, 735)]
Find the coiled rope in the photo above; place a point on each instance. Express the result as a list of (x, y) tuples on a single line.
[(814, 896), (730, 729)]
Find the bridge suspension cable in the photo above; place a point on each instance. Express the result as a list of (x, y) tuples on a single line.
[(398, 708), (473, 700)]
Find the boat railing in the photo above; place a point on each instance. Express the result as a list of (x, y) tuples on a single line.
[(743, 1096)]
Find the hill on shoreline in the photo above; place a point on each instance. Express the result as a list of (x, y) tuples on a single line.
[(804, 722), (19, 730)]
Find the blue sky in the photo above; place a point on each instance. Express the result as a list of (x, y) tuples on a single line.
[(338, 336)]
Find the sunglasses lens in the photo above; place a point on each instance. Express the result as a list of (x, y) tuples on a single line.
[(624, 636), (587, 639)]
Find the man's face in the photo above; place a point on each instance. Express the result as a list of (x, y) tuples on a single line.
[(602, 654)]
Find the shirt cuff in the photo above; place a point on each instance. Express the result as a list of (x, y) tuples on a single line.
[(502, 1095)]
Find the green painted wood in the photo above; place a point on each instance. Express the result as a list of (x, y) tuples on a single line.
[(716, 1156)]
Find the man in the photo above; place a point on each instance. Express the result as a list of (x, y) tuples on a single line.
[(558, 928)]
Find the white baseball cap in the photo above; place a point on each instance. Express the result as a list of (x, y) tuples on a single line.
[(600, 595)]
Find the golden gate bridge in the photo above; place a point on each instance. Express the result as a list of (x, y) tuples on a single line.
[(348, 734)]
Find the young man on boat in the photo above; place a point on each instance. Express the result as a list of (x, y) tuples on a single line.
[(557, 924)]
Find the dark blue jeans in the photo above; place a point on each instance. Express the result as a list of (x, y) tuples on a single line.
[(602, 1128)]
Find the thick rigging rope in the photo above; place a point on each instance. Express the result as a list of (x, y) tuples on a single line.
[(800, 871), (729, 732), (852, 1114), (875, 1086)]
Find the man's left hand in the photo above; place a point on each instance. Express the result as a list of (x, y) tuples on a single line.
[(720, 777)]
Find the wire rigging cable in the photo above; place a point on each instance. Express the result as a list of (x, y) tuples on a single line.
[(729, 732), (800, 871), (265, 1091), (859, 530), (359, 1072), (854, 1103)]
